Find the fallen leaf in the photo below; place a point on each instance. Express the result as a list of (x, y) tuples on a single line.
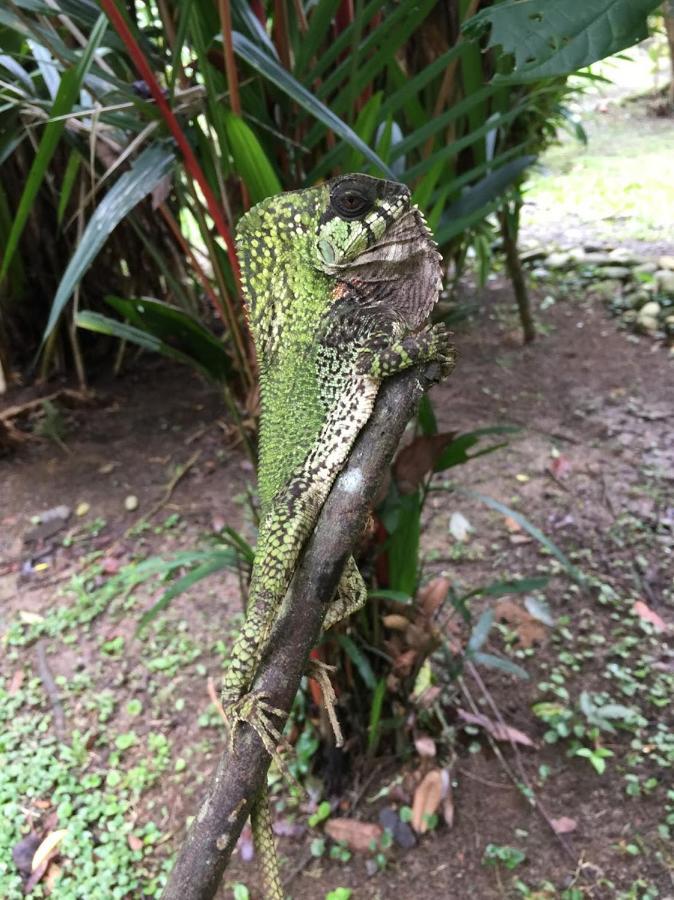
[(24, 851), (135, 843), (560, 467), (564, 825), (431, 790), (30, 618), (432, 595), (401, 831), (396, 622), (16, 682), (499, 731), (425, 746), (48, 847), (512, 525), (522, 478), (459, 526), (82, 509), (530, 630), (646, 614), (415, 461), (355, 834), (53, 875), (448, 806), (131, 503), (110, 565)]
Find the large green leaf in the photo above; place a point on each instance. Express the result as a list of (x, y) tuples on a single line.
[(177, 329), (94, 321), (479, 200), (147, 171), (282, 79), (66, 96), (250, 160), (557, 37)]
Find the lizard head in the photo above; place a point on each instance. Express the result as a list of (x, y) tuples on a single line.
[(373, 239)]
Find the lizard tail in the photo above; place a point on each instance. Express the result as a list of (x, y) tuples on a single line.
[(265, 847)]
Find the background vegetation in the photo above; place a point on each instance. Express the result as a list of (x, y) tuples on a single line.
[(131, 140)]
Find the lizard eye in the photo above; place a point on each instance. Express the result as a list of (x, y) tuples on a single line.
[(351, 203)]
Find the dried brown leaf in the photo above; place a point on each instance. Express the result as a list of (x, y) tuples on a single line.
[(415, 461), (431, 597), (560, 466), (430, 792), (135, 843), (16, 682), (646, 614), (529, 630), (395, 622), (48, 847), (425, 746), (564, 825), (357, 835)]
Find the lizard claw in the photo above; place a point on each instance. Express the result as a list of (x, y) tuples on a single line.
[(319, 671), (255, 709)]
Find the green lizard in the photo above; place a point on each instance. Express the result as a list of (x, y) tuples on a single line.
[(338, 281)]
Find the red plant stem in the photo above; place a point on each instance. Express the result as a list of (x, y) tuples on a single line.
[(191, 164)]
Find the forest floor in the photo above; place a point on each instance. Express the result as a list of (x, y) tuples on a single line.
[(107, 737)]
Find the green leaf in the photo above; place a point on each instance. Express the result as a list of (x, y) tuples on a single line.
[(535, 532), (319, 24), (557, 37), (219, 560), (66, 96), (72, 168), (477, 200), (94, 321), (272, 70), (250, 160), (386, 594), (375, 716), (456, 453), (480, 632), (179, 330), (358, 658), (501, 664), (147, 171), (503, 588), (403, 544), (426, 417)]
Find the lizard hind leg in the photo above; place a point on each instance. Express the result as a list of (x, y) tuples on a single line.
[(351, 595)]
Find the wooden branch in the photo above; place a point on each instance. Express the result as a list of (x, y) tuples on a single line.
[(241, 774)]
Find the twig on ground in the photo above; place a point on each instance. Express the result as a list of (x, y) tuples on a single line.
[(179, 474), (523, 777), (45, 674), (242, 770)]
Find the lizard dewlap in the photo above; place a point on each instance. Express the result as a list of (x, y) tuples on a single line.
[(338, 281)]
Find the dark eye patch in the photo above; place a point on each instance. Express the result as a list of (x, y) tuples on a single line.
[(351, 200)]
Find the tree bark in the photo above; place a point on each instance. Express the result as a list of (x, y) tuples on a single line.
[(242, 773)]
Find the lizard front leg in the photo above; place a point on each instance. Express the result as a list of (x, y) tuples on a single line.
[(383, 354)]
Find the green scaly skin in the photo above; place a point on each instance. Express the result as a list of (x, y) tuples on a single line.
[(339, 281)]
